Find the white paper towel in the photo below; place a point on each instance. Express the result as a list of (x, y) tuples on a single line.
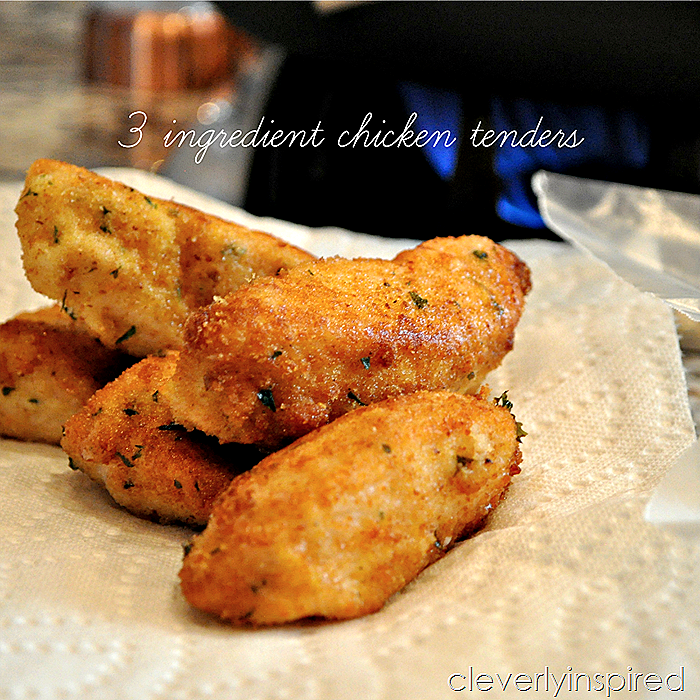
[(650, 238), (566, 578)]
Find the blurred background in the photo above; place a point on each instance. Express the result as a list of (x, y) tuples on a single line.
[(623, 76), (71, 73), (76, 79)]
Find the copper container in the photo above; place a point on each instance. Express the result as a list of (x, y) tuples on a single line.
[(160, 46)]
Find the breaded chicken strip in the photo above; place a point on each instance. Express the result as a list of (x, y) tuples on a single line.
[(133, 267), (49, 367), (337, 522), (125, 439), (284, 355)]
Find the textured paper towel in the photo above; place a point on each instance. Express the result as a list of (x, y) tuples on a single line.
[(566, 574)]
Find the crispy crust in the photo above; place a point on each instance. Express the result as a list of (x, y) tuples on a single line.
[(285, 355), (120, 260), (49, 368), (337, 522), (125, 439)]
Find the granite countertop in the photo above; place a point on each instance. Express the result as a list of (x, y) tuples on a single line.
[(48, 109)]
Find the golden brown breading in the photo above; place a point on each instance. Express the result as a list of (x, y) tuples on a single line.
[(125, 439), (284, 355), (133, 267), (49, 367), (335, 523)]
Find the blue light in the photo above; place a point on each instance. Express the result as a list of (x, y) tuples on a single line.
[(437, 110)]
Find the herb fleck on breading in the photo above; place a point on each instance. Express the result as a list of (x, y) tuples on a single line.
[(125, 459), (504, 401), (267, 399), (233, 249), (353, 397), (418, 300), (126, 335), (65, 309)]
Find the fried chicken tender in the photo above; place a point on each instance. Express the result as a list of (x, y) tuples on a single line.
[(337, 522), (49, 367), (133, 267), (285, 355), (125, 439)]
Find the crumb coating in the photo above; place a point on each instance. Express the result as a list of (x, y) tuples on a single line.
[(130, 266), (125, 438), (49, 367), (334, 524), (284, 355)]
